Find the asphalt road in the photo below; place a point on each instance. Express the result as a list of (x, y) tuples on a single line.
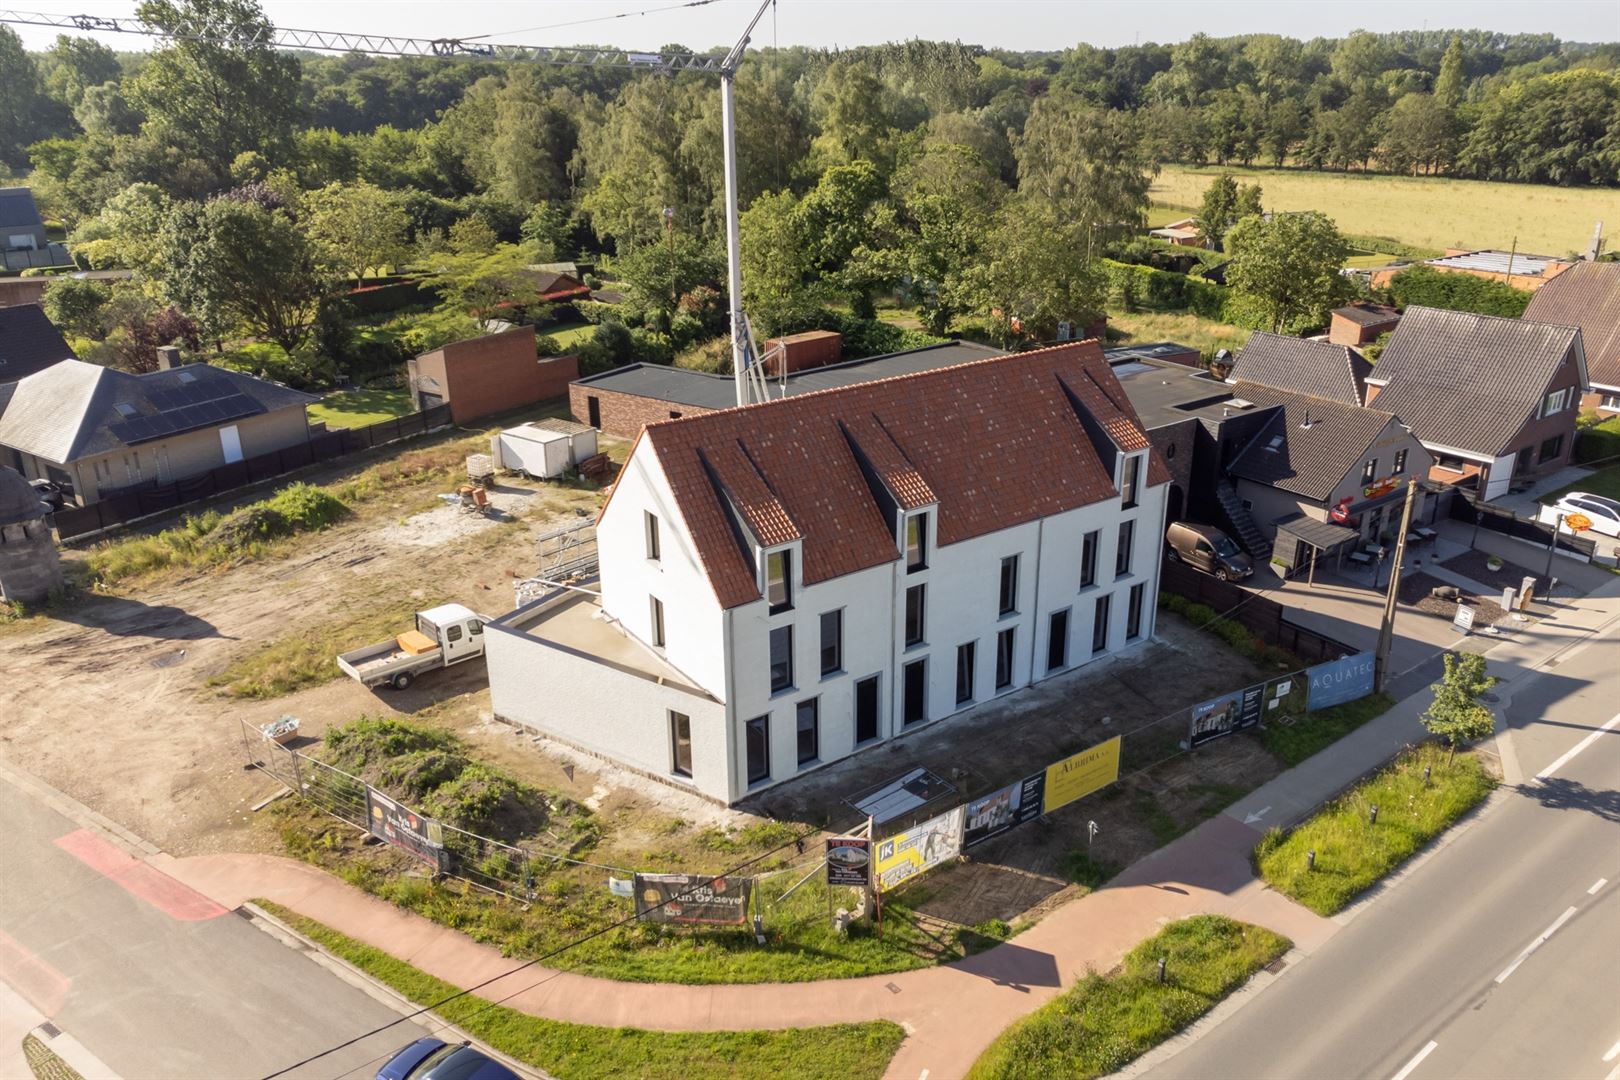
[(1499, 957), (152, 979)]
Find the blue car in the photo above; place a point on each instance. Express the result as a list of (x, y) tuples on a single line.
[(434, 1059)]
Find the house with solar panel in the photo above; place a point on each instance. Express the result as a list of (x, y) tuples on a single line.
[(784, 584), (96, 431)]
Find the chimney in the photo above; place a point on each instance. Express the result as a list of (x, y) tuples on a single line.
[(168, 357), (1306, 423)]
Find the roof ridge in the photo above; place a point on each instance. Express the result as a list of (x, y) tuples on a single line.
[(1520, 321)]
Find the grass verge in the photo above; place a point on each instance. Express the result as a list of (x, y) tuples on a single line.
[(1352, 853), (1605, 482), (1107, 1021), (582, 1052), (1317, 731)]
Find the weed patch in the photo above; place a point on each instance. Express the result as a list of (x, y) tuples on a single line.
[(1318, 730), (582, 1052), (1107, 1021), (1352, 851)]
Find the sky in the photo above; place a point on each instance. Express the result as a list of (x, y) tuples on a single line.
[(1013, 24)]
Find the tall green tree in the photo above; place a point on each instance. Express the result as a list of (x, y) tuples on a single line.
[(949, 195), (357, 227), (1035, 274), (1290, 264), (1456, 713), (23, 103), (1085, 165), (1448, 85), (234, 264), (779, 292), (75, 64), (851, 233), (222, 95)]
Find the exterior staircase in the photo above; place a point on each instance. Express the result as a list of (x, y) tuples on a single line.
[(1246, 531)]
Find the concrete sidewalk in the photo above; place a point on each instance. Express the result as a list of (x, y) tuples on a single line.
[(952, 1012)]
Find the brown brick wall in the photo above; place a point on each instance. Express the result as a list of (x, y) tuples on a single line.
[(1343, 331), (624, 415), (1559, 423), (492, 374)]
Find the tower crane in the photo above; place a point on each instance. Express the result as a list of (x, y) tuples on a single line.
[(746, 361)]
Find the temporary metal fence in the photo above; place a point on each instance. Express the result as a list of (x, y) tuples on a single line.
[(480, 860), (130, 504)]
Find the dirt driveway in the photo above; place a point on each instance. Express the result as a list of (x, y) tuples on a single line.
[(108, 701)]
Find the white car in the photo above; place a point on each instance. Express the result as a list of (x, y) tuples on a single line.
[(1603, 512)]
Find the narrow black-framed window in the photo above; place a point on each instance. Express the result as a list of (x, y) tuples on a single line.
[(966, 657), (1128, 481), (808, 718), (778, 583), (1004, 658), (781, 659), (1133, 613), (916, 543), (832, 642), (914, 692), (653, 547), (916, 614), (1099, 626), (1057, 640), (1552, 447), (1088, 558), (867, 705), (1009, 585), (657, 622), (680, 738), (1127, 542), (1369, 470), (1400, 462), (757, 737)]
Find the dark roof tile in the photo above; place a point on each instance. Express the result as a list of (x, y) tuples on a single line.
[(1304, 367), (1586, 295)]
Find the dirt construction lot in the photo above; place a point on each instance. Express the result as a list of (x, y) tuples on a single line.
[(107, 699)]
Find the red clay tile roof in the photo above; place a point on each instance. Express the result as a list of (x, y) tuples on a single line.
[(995, 443)]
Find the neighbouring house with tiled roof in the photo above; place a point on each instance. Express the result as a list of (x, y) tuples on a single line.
[(1330, 462), (1493, 399), (97, 431), (29, 342), (1588, 296), (1319, 368), (788, 583)]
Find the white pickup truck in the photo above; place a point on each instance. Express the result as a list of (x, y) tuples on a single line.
[(444, 635)]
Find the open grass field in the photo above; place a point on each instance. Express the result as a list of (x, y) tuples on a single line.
[(1107, 1021), (360, 408), (1205, 335), (1352, 851), (1424, 211), (581, 1052)]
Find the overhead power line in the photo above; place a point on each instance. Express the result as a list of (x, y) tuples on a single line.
[(593, 19)]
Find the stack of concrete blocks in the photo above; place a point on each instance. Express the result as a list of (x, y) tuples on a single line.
[(29, 568)]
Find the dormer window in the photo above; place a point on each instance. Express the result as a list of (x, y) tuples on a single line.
[(778, 581), (1128, 480), (916, 543)]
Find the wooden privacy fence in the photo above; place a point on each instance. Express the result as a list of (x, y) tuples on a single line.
[(129, 504), (1500, 520), (1263, 616)]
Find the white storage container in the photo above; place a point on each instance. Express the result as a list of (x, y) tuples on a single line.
[(530, 450)]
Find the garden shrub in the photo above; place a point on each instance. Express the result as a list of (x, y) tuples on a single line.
[(1457, 292)]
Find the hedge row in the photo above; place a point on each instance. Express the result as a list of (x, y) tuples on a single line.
[(1136, 287), (1457, 292)]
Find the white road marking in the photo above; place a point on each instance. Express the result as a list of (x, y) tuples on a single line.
[(1417, 1060), (1250, 819), (1578, 747), (1536, 944), (1614, 1074), (1596, 885), (1614, 1052)]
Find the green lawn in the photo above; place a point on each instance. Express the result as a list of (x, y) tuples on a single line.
[(1205, 335), (1352, 853), (569, 335), (582, 1052), (360, 408), (1603, 482), (1108, 1021), (1423, 211)]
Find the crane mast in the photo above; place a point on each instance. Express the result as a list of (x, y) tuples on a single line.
[(745, 358)]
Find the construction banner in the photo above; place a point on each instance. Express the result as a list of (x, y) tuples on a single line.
[(692, 898), (995, 813), (905, 855), (399, 825), (1339, 681), (1080, 775)]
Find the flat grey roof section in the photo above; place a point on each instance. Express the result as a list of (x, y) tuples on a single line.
[(1158, 350), (1166, 393), (1497, 262), (702, 390)]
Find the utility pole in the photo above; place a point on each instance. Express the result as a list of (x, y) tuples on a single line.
[(1386, 629)]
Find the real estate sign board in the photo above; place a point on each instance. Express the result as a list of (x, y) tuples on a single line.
[(995, 813), (1225, 715), (1081, 774), (905, 855), (692, 898), (849, 861), (1339, 681), (398, 824)]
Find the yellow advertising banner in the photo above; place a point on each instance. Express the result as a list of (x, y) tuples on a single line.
[(1080, 775)]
